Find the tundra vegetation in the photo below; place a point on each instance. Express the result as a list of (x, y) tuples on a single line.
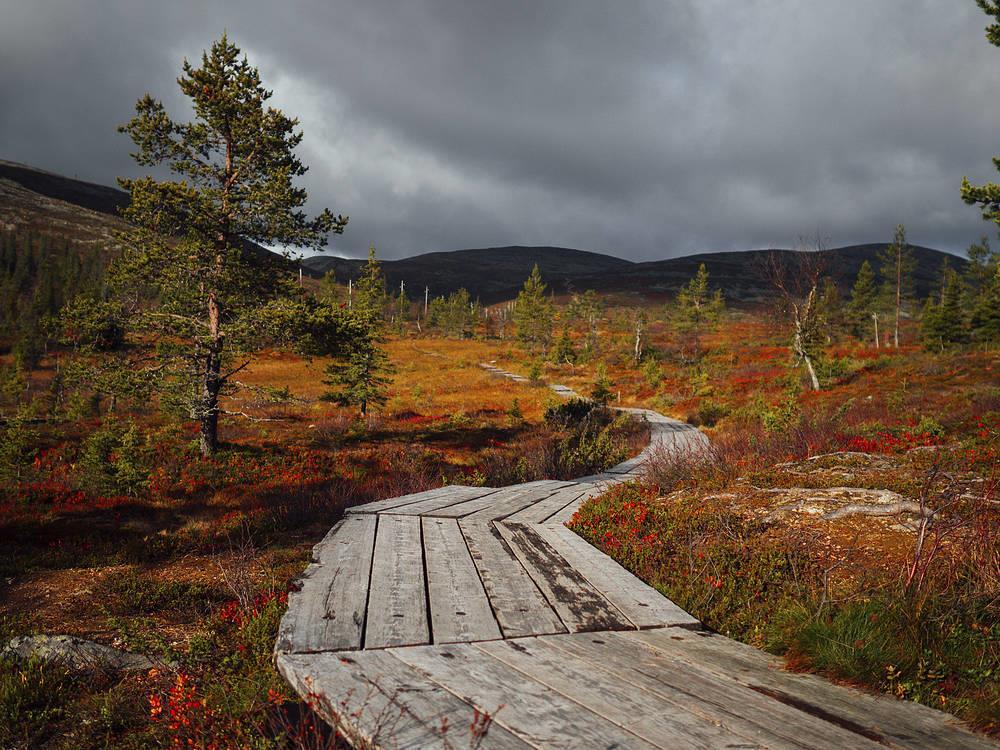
[(182, 421)]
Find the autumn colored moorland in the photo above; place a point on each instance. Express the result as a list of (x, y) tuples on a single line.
[(115, 530)]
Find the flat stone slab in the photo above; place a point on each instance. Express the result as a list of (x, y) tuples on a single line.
[(76, 653)]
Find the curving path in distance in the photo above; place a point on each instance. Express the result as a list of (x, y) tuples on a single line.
[(472, 617)]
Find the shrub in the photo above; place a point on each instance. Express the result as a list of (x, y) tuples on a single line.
[(652, 372), (112, 458), (601, 392), (17, 444), (34, 697), (570, 412), (708, 414)]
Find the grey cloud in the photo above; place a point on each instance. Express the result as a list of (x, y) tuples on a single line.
[(645, 129)]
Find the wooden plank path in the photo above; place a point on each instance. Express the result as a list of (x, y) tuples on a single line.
[(472, 617)]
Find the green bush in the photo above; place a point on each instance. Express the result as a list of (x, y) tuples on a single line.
[(708, 414), (34, 697), (112, 458), (569, 412), (929, 426)]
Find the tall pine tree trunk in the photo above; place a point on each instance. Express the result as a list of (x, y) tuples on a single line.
[(212, 381), (899, 293)]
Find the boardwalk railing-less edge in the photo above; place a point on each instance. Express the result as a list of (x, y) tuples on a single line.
[(472, 617)]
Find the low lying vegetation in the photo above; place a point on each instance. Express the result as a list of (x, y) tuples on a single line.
[(116, 529), (857, 536)]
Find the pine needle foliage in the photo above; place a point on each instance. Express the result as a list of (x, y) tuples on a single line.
[(192, 280)]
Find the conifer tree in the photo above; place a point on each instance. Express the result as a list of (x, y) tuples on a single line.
[(601, 392), (588, 307), (696, 305), (188, 272), (360, 370), (863, 302), (987, 196), (986, 313), (329, 289), (533, 313), (983, 261), (361, 374), (944, 322), (562, 350), (897, 269), (369, 290)]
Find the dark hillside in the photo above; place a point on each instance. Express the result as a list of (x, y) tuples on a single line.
[(100, 198), (78, 211)]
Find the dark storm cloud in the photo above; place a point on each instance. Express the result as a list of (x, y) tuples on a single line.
[(642, 129)]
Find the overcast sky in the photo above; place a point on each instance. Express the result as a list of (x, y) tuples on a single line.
[(642, 129)]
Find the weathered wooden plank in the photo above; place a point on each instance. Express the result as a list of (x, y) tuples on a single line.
[(378, 701), (579, 605), (398, 502), (486, 504), (644, 606), (620, 658), (397, 596), (460, 610), (517, 602), (900, 723), (538, 511), (456, 495), (530, 710), (513, 499), (328, 611), (641, 712)]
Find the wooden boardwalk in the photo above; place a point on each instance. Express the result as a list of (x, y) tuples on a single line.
[(422, 615)]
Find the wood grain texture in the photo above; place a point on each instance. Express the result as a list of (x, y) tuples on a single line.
[(684, 687), (539, 511), (328, 610), (486, 508), (517, 602), (397, 597), (452, 496), (902, 723), (460, 610), (621, 703), (579, 605), (378, 701), (644, 606), (532, 711), (399, 502)]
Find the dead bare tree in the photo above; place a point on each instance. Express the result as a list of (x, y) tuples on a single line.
[(795, 276)]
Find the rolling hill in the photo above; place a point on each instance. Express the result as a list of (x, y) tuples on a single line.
[(495, 274), (87, 212)]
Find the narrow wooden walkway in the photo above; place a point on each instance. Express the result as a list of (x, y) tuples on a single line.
[(421, 615)]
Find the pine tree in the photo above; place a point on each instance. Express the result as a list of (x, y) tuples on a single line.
[(897, 270), (589, 308), (944, 321), (369, 290), (986, 314), (601, 392), (361, 368), (562, 350), (533, 313), (696, 305), (188, 270), (361, 375), (983, 261), (863, 303), (329, 289), (987, 196)]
